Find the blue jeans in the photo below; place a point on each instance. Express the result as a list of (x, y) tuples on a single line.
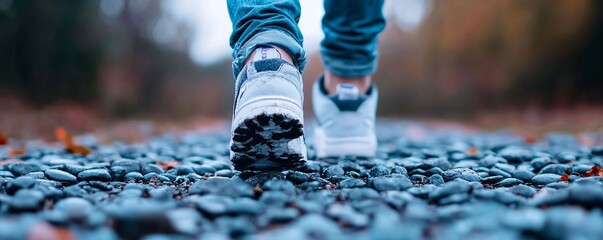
[(351, 27)]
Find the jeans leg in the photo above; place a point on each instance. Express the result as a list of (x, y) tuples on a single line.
[(265, 22), (351, 27)]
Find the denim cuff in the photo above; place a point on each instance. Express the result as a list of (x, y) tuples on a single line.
[(346, 68), (270, 37)]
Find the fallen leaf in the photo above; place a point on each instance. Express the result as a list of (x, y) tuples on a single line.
[(84, 151), (70, 145), (472, 151), (168, 165), (63, 136), (530, 139), (3, 139), (565, 177), (17, 152), (594, 171)]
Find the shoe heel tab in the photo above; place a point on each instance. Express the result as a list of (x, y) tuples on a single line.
[(272, 64)]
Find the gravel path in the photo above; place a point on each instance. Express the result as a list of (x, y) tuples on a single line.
[(427, 183)]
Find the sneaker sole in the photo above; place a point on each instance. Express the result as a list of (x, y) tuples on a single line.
[(340, 147), (270, 138)]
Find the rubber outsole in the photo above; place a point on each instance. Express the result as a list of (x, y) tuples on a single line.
[(268, 142)]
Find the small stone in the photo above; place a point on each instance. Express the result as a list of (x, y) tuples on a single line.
[(95, 175), (127, 164), (297, 177), (36, 175), (434, 170), (118, 173), (417, 171), (351, 183), (259, 178), (246, 206), (317, 225), (557, 185), (24, 168), (101, 185), (454, 199), (509, 182), (498, 172), (546, 178), (149, 176), (436, 179), (361, 194), (587, 196), (310, 186), (492, 179), (274, 215), (225, 173), (23, 182), (540, 162), (524, 175), (418, 178), (74, 169), (152, 168), (379, 171), (490, 161), (213, 205), (204, 170), (449, 188), (133, 176), (566, 157), (421, 191), (441, 163), (528, 220), (515, 155), (332, 171), (523, 190), (75, 208), (558, 169), (399, 170), (348, 215), (462, 173), (60, 176), (222, 186), (389, 184), (183, 170), (26, 200), (276, 198), (279, 185), (6, 174)]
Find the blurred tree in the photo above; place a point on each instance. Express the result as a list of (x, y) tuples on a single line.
[(46, 52)]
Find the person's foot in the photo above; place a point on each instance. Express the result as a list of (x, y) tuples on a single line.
[(267, 125), (346, 120)]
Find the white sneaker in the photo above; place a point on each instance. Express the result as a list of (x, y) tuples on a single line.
[(267, 125), (346, 121)]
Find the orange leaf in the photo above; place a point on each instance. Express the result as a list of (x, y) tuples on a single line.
[(167, 165), (472, 151), (594, 171), (3, 139), (565, 177), (17, 152), (70, 145), (530, 139), (63, 136), (79, 149)]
